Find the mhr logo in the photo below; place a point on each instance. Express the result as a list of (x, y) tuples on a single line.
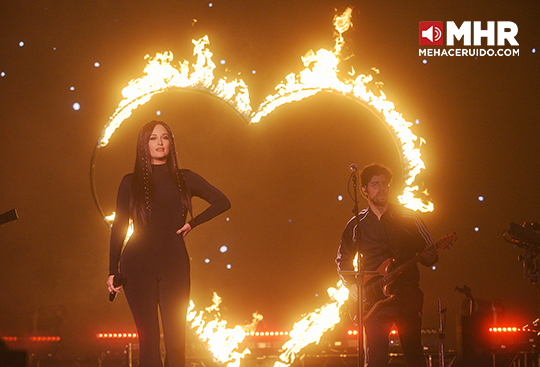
[(432, 33)]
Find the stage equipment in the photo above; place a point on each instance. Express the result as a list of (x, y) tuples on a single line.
[(477, 316), (359, 274), (527, 236), (442, 322)]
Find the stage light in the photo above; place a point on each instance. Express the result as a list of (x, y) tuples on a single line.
[(21, 44), (76, 106), (96, 64), (223, 249)]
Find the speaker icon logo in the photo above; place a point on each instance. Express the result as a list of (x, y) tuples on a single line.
[(431, 33)]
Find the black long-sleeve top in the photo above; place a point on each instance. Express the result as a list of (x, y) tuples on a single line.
[(167, 212), (399, 234)]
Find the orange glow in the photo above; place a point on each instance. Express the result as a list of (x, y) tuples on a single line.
[(311, 328), (31, 338), (220, 340), (117, 336), (320, 74), (509, 329)]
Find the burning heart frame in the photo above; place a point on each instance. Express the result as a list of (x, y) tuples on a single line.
[(320, 75)]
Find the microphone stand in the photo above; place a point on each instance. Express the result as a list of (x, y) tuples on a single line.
[(359, 277), (358, 274), (442, 316)]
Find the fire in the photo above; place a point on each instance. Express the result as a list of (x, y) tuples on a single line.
[(312, 326), (221, 341), (320, 74), (161, 75)]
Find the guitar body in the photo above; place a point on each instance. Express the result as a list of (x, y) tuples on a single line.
[(375, 293), (375, 290)]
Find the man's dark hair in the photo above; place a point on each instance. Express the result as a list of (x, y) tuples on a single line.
[(374, 169)]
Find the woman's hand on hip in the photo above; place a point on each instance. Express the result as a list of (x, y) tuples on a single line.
[(110, 285), (184, 230)]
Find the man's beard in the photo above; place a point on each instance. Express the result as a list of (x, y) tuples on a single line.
[(380, 200)]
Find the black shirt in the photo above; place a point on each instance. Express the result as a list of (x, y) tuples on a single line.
[(399, 234), (167, 212)]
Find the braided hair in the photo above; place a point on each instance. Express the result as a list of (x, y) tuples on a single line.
[(143, 182)]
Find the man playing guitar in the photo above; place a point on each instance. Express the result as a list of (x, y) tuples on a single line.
[(388, 231)]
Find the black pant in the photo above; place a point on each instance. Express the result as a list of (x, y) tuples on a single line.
[(406, 314), (164, 283)]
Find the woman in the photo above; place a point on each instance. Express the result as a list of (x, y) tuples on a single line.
[(154, 265)]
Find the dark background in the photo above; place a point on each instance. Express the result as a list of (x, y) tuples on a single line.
[(479, 117)]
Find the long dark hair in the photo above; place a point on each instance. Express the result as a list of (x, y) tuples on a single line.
[(143, 182)]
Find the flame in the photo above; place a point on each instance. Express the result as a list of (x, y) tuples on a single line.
[(110, 220), (160, 76), (320, 74), (221, 341), (310, 329)]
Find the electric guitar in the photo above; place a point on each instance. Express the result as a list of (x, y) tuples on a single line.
[(375, 291)]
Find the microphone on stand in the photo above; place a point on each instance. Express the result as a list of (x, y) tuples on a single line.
[(353, 168)]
